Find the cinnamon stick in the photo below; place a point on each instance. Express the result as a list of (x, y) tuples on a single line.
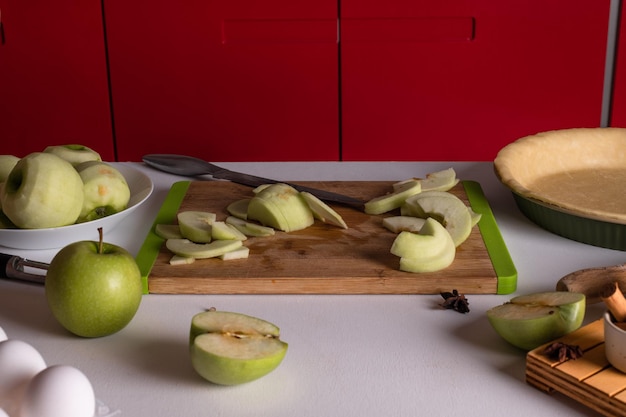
[(615, 301)]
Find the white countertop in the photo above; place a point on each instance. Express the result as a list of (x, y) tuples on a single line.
[(361, 355)]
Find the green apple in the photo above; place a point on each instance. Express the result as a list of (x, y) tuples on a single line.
[(42, 191), (196, 225), (281, 207), (430, 250), (93, 288), (105, 188), (74, 153), (450, 210), (7, 163), (323, 211), (384, 203), (231, 348), (439, 181), (189, 249), (249, 228), (529, 321), (397, 224)]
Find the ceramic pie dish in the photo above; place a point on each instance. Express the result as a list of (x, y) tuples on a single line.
[(571, 182)]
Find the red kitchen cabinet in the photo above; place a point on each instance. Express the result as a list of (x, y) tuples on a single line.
[(53, 77), (459, 79), (224, 80), (618, 107)]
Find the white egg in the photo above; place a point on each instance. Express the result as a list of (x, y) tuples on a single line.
[(19, 362), (59, 391)]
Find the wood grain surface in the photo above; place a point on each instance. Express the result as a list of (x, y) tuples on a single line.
[(322, 259)]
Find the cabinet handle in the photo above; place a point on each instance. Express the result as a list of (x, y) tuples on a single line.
[(2, 38)]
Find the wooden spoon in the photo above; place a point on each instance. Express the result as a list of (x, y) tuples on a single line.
[(591, 281)]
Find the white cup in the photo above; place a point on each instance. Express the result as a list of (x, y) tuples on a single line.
[(614, 343)]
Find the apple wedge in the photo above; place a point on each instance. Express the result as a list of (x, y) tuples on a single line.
[(196, 225), (189, 249), (224, 231), (323, 211), (397, 224), (181, 260), (239, 208), (436, 181), (385, 203), (229, 348), (249, 228), (242, 252), (528, 321), (430, 250), (168, 231), (450, 210), (281, 207)]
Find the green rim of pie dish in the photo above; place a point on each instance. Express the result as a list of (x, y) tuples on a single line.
[(581, 229)]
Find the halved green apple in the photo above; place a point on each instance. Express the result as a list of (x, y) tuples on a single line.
[(530, 320), (385, 203), (229, 348)]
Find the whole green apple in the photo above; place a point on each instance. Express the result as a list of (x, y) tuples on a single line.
[(74, 153), (93, 288), (42, 191), (105, 188)]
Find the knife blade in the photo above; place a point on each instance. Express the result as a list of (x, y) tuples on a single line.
[(14, 267), (190, 166)]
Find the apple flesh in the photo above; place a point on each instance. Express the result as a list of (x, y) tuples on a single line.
[(196, 225), (229, 348), (281, 207), (323, 211), (74, 153), (93, 288), (105, 188), (189, 249), (7, 163), (529, 321), (42, 191), (385, 203)]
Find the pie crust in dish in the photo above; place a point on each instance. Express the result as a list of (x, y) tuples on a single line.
[(578, 171)]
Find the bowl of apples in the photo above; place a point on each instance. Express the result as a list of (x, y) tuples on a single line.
[(64, 194)]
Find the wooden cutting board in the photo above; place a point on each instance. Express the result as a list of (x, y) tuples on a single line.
[(324, 259)]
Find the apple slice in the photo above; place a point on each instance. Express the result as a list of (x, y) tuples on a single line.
[(181, 260), (281, 207), (323, 211), (168, 231), (242, 252), (231, 348), (196, 225), (529, 321), (224, 231), (440, 181), (428, 251), (393, 200), (239, 208), (189, 249), (397, 224), (447, 208), (249, 228)]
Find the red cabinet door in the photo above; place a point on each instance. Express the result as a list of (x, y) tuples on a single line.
[(459, 79), (53, 77), (225, 80), (618, 107)]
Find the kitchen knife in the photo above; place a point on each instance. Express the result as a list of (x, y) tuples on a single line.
[(14, 267), (190, 166)]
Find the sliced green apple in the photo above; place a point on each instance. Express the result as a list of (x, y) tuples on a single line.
[(428, 251), (181, 260), (385, 203), (440, 181), (323, 211), (242, 252), (281, 207), (224, 231), (229, 348), (445, 207), (189, 249), (529, 321), (168, 231), (239, 208), (397, 224), (196, 225), (249, 228)]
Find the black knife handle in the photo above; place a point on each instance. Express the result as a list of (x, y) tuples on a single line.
[(5, 260)]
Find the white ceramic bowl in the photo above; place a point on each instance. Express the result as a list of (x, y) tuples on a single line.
[(57, 237), (614, 343)]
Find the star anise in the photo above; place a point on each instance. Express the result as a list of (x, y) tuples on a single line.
[(563, 351), (455, 301)]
